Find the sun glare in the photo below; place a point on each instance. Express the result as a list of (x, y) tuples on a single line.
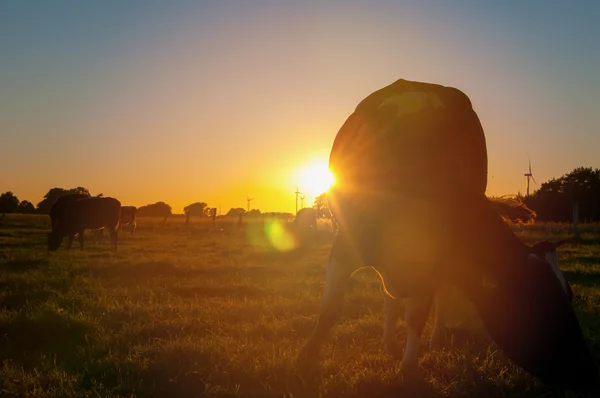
[(315, 178)]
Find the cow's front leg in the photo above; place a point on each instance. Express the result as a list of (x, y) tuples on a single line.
[(81, 239), (114, 236), (336, 282), (438, 336), (392, 309), (71, 237), (417, 311)]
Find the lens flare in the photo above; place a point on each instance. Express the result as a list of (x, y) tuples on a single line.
[(279, 236)]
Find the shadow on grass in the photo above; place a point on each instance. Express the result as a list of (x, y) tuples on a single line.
[(17, 300), (147, 270), (469, 381), (223, 291), (24, 265), (25, 337)]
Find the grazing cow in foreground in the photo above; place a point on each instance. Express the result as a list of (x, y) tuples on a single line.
[(85, 213), (512, 211), (544, 250), (306, 219), (411, 175), (128, 217)]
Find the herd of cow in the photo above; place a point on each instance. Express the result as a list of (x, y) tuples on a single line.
[(72, 214)]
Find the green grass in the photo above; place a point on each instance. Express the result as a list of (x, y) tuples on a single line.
[(191, 313)]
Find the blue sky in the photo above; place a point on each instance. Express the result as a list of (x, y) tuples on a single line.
[(187, 101)]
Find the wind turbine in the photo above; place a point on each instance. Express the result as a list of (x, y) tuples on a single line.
[(298, 193), (527, 177), (249, 200)]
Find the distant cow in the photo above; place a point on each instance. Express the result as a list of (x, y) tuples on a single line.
[(85, 213), (306, 219), (128, 217)]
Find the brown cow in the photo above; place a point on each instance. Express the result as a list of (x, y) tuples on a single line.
[(128, 217), (86, 213), (306, 219), (62, 203), (411, 176)]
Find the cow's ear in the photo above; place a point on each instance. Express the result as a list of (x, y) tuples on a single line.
[(559, 243)]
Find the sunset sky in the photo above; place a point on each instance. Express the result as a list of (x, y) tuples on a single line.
[(186, 101)]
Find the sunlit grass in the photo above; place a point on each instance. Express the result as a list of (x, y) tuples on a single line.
[(193, 312)]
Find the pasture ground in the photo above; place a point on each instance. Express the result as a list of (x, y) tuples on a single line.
[(192, 313)]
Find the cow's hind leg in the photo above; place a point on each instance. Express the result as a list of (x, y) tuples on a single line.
[(336, 281), (114, 237), (71, 237), (417, 311), (392, 311)]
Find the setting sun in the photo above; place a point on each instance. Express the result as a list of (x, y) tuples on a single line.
[(315, 178)]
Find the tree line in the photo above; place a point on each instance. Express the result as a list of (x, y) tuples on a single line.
[(553, 201), (10, 203)]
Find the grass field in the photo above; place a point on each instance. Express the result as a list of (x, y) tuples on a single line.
[(191, 313)]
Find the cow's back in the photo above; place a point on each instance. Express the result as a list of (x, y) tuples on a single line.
[(128, 213), (92, 213), (410, 138), (307, 216), (62, 205)]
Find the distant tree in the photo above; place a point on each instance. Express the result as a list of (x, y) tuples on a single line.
[(555, 198), (46, 204), (196, 209), (80, 190), (158, 209), (26, 207), (9, 203), (321, 206), (235, 212), (253, 213), (279, 215)]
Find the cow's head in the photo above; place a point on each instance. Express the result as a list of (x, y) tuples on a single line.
[(54, 240)]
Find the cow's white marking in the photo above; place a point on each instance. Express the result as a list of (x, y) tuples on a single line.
[(411, 353), (330, 273), (552, 259)]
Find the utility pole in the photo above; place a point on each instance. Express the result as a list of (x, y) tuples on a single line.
[(297, 194)]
